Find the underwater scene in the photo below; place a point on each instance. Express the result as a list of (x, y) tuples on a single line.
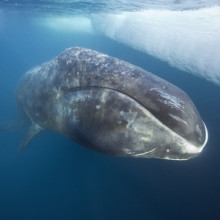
[(109, 109)]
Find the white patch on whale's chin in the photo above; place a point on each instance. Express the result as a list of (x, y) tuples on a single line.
[(188, 40), (189, 148)]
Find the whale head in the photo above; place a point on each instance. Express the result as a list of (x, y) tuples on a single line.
[(114, 123)]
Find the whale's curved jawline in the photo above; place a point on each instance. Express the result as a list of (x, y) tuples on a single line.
[(68, 91)]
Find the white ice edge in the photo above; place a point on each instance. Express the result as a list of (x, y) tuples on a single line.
[(188, 39)]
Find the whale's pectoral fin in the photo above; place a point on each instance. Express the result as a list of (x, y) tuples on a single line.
[(32, 132)]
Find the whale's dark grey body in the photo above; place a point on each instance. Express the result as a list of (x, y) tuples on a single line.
[(110, 106)]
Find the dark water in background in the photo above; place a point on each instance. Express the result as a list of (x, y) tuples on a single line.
[(55, 178)]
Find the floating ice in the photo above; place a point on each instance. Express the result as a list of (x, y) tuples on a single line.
[(188, 40)]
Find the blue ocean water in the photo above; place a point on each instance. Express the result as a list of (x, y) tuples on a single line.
[(55, 178)]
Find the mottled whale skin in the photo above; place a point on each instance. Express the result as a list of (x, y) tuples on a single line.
[(110, 106)]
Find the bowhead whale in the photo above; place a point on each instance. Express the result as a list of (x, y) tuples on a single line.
[(110, 106)]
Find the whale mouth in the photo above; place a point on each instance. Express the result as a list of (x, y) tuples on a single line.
[(107, 113), (179, 126)]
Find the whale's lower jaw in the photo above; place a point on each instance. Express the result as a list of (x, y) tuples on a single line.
[(111, 122)]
